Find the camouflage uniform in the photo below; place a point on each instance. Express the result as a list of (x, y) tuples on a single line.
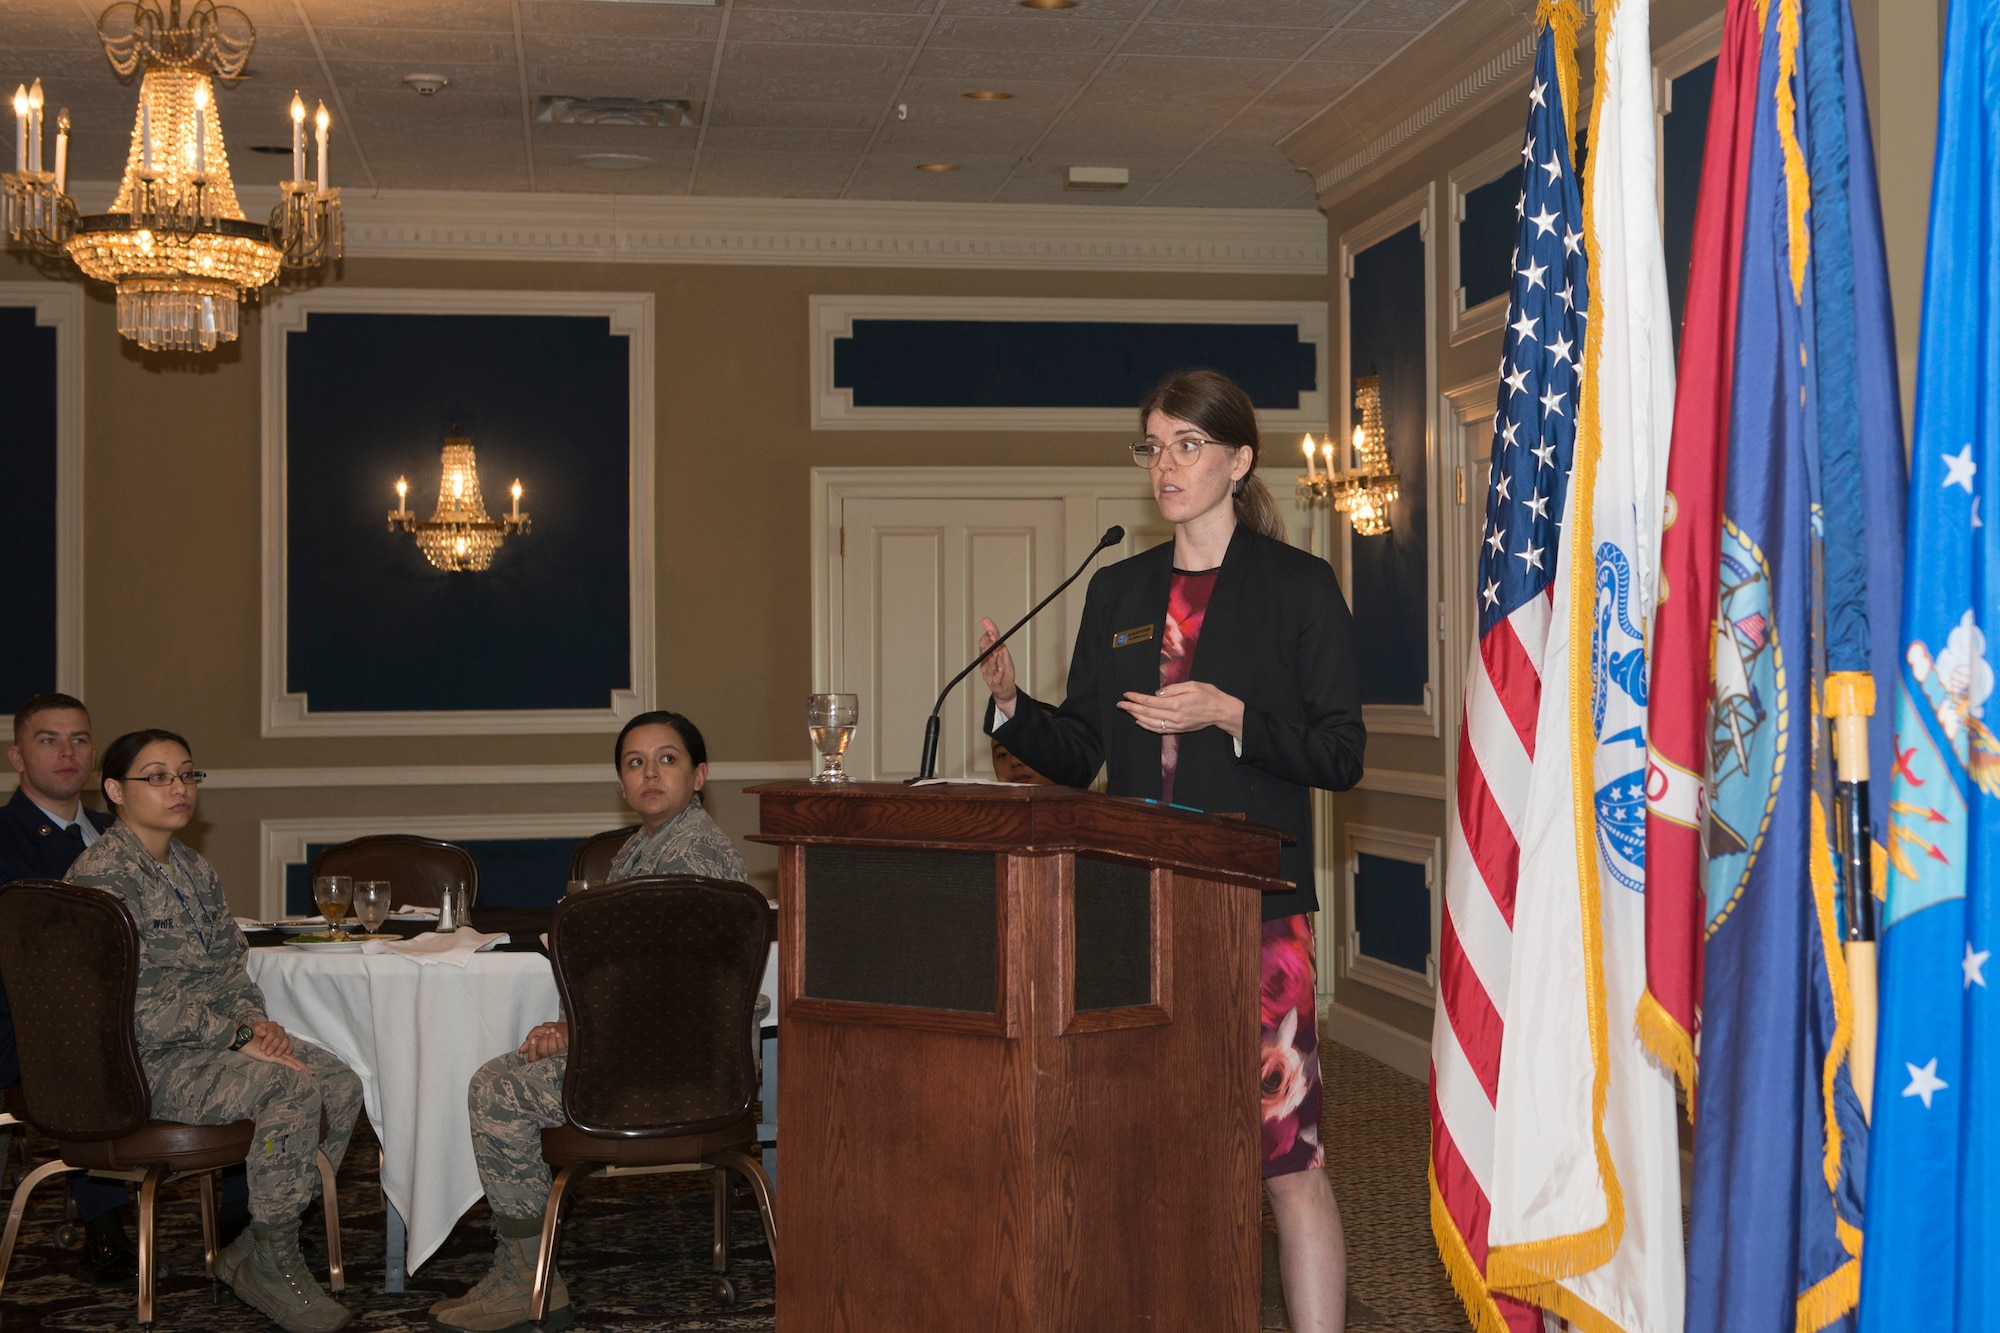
[(513, 1098), (193, 994)]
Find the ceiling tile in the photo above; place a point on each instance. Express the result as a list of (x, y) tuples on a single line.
[(800, 115), (798, 58), (777, 25), (455, 15), (383, 104), (845, 6), (466, 80), (777, 86), (643, 81), (1094, 11), (1023, 33), (845, 144), (1216, 39), (1003, 68), (418, 48), (650, 23), (1273, 13), (1410, 15), (1370, 47), (1169, 80), (667, 174)]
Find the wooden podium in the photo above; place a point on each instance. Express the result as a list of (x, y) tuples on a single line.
[(1019, 1060)]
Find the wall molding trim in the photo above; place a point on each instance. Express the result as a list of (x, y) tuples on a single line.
[(61, 305), (832, 318), (1407, 1055), (832, 233), (1401, 782), (630, 314)]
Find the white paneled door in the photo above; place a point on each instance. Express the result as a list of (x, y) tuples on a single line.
[(917, 556)]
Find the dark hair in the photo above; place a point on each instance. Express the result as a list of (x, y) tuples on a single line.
[(1219, 407), (691, 741), (117, 759), (43, 703)]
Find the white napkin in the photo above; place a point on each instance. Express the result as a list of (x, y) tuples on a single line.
[(414, 914), (456, 948), (250, 923)]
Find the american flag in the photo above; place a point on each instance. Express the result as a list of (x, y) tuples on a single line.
[(1534, 431)]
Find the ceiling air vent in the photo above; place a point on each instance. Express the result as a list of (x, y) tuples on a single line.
[(656, 114)]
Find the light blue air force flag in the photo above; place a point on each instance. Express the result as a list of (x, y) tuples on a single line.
[(1934, 1175)]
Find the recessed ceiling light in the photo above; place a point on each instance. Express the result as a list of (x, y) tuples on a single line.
[(988, 95), (937, 166), (614, 161), (1048, 4)]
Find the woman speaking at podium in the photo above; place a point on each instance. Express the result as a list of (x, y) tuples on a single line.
[(1217, 672)]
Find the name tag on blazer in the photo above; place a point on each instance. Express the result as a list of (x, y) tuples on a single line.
[(1137, 634)]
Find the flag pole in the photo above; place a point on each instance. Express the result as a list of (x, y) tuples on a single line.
[(1850, 702)]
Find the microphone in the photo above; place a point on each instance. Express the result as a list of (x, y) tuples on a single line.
[(928, 768)]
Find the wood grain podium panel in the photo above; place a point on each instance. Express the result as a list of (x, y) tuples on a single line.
[(1043, 1167)]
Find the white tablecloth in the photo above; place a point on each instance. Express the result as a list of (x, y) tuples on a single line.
[(415, 1035)]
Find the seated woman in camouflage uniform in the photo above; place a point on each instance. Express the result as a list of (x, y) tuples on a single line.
[(210, 1053), (662, 767)]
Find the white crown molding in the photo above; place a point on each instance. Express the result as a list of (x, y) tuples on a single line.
[(822, 233), (1489, 75), (60, 305)]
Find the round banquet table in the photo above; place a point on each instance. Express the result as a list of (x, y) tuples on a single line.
[(414, 1034)]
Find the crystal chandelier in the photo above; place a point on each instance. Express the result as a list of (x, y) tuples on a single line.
[(458, 536), (1365, 491), (175, 242)]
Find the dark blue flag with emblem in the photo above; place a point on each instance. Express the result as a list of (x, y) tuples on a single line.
[(1806, 619)]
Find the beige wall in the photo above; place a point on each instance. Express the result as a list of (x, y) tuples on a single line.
[(173, 490)]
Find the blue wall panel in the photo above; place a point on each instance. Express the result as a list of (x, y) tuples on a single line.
[(1684, 136), (27, 508), (1005, 363), (1392, 911), (372, 626), (513, 872), (1486, 239), (1391, 585)]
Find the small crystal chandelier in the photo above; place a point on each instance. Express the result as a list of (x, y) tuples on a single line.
[(175, 242), (1365, 491), (458, 537)]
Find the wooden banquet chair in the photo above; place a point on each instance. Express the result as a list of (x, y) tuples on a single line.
[(418, 869), (591, 861), (659, 977), (69, 956)]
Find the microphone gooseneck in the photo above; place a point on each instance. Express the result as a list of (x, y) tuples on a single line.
[(927, 769)]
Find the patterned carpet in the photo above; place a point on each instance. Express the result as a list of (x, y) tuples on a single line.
[(636, 1249)]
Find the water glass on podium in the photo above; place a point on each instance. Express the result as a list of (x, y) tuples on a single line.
[(830, 718)]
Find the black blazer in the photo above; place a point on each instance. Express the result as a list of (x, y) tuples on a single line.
[(1277, 635), (31, 847)]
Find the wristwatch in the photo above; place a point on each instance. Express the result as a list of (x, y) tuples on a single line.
[(244, 1032)]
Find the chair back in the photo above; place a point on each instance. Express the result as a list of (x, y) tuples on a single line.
[(418, 869), (659, 977), (69, 957), (591, 861)]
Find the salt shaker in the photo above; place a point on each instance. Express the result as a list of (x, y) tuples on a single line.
[(448, 910)]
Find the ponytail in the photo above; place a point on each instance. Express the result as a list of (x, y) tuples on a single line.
[(1256, 508)]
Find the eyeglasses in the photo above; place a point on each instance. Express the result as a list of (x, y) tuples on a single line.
[(1146, 453), (194, 777)]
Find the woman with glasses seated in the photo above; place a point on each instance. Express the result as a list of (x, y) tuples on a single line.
[(210, 1053), (1268, 708), (662, 767)]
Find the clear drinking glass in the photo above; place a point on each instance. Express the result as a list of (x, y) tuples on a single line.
[(830, 718), (333, 893), (371, 903)]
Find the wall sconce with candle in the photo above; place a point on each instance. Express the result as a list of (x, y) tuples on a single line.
[(459, 536), (1364, 491)]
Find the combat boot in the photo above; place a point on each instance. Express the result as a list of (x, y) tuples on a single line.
[(264, 1268), (499, 1304)]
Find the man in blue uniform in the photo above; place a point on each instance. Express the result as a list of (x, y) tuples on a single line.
[(43, 829)]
